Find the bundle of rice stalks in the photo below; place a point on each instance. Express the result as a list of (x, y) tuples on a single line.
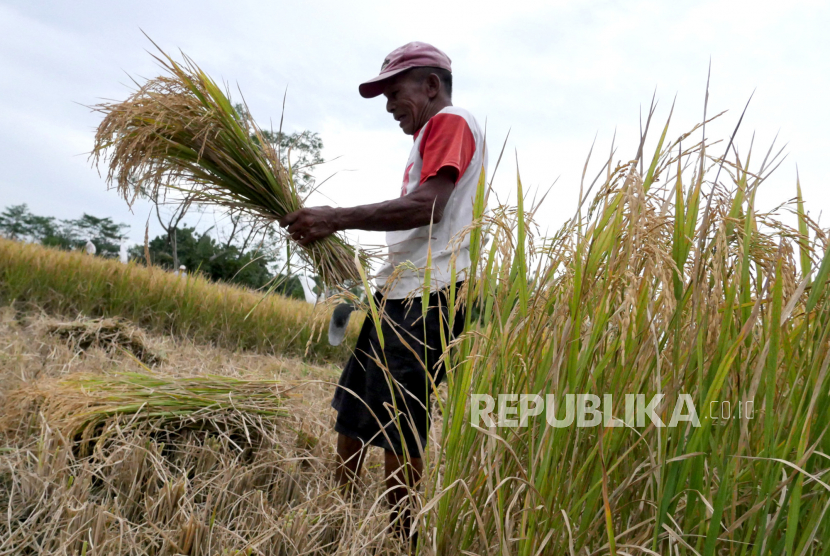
[(181, 132), (107, 334), (80, 406)]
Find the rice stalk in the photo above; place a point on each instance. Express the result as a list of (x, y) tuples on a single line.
[(109, 334), (180, 132), (80, 405), (220, 481), (669, 282)]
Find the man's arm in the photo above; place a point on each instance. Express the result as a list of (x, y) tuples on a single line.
[(424, 205)]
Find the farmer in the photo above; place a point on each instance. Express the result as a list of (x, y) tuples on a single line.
[(434, 206)]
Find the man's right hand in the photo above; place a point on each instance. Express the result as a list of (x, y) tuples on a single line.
[(310, 224), (419, 208)]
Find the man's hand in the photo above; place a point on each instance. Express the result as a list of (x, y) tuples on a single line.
[(423, 206), (310, 224)]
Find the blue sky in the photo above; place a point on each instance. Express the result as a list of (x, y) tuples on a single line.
[(556, 74)]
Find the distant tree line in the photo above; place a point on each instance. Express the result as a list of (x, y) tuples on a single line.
[(238, 259), (16, 222), (226, 261)]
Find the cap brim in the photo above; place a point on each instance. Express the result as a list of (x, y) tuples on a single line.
[(374, 87)]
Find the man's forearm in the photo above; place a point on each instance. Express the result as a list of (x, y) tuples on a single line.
[(424, 205), (385, 217)]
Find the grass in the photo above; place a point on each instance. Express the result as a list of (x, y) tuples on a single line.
[(669, 281), (70, 283)]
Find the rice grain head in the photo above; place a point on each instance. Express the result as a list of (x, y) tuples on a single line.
[(180, 132)]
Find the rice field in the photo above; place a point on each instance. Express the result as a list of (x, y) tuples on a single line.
[(668, 282), (70, 283)]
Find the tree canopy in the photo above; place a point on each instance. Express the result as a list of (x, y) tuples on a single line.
[(221, 262), (17, 222), (300, 150)]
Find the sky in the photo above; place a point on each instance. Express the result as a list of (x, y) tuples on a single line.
[(558, 75)]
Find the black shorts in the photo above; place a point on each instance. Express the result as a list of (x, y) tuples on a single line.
[(364, 398)]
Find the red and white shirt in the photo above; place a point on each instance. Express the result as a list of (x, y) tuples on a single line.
[(450, 138)]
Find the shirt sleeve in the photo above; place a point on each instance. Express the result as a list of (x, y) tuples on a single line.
[(447, 141)]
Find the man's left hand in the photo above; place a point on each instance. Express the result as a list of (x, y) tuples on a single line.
[(310, 224)]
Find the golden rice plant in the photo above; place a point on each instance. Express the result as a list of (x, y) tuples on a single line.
[(180, 131), (69, 283), (668, 281)]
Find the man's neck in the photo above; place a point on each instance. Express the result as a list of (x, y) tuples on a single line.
[(432, 110)]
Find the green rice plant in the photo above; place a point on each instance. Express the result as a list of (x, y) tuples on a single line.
[(70, 283), (669, 282), (181, 132)]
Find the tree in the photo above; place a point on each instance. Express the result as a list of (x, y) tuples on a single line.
[(13, 221), (306, 146), (246, 231), (301, 150), (105, 234), (47, 231), (170, 224), (16, 222), (219, 261)]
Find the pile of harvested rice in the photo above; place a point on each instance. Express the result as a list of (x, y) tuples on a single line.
[(217, 482), (88, 407), (108, 334)]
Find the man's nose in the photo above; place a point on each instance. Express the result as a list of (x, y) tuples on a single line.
[(390, 106)]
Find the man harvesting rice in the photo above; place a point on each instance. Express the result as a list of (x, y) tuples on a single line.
[(435, 204)]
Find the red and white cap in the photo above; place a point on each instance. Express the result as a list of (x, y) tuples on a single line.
[(411, 55)]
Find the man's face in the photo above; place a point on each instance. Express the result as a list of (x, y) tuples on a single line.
[(408, 99)]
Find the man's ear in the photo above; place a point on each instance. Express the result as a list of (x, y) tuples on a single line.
[(433, 83)]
